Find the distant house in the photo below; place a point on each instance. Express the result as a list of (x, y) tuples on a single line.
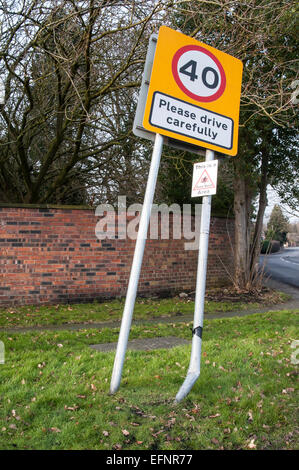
[(293, 239)]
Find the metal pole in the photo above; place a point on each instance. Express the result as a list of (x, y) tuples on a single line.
[(136, 265), (194, 366)]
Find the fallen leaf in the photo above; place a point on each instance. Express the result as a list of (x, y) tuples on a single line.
[(125, 432), (106, 433), (156, 434), (55, 430), (71, 408), (215, 441), (250, 416), (288, 390), (93, 387), (215, 416), (252, 444)]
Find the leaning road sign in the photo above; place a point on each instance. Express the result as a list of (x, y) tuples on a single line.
[(190, 94), (204, 181), (194, 93)]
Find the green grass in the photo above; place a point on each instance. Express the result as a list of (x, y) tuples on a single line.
[(54, 389), (110, 311)]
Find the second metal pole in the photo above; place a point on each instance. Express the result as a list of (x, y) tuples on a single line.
[(136, 265), (194, 367)]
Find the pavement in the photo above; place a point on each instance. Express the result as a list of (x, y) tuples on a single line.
[(168, 342), (144, 344)]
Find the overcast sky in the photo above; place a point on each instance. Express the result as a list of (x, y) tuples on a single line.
[(273, 199)]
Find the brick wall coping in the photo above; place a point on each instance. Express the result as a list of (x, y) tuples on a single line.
[(76, 207), (44, 206)]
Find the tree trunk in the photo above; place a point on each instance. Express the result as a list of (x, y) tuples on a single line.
[(255, 250), (242, 205)]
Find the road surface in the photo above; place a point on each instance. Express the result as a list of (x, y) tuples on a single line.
[(283, 266)]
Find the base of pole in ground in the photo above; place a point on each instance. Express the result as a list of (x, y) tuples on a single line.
[(187, 385)]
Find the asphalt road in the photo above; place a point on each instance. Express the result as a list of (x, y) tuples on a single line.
[(283, 266)]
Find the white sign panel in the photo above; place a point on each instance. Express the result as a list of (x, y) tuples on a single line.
[(192, 121), (204, 181)]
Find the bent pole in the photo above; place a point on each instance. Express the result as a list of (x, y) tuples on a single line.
[(136, 265), (194, 366)]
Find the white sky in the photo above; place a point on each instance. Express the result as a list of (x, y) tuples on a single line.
[(273, 199)]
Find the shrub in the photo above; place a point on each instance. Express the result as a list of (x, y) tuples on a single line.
[(270, 246)]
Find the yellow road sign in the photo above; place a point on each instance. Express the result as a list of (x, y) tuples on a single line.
[(194, 93)]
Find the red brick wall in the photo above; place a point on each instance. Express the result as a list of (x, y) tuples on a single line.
[(51, 255)]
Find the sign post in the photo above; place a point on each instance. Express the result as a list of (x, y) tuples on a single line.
[(190, 95), (194, 367), (136, 265)]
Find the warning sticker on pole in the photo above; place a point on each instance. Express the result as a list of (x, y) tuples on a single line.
[(204, 181)]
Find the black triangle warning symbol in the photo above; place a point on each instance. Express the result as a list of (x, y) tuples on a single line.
[(204, 182)]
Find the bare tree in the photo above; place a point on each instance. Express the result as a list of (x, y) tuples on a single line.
[(64, 63)]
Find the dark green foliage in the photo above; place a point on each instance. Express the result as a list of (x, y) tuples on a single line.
[(270, 246), (278, 225)]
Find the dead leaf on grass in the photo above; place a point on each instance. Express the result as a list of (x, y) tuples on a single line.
[(288, 390), (251, 444), (55, 429)]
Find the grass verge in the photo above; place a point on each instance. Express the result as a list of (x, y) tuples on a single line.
[(112, 311), (54, 389)]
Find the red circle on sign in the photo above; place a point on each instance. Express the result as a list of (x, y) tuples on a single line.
[(189, 93)]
